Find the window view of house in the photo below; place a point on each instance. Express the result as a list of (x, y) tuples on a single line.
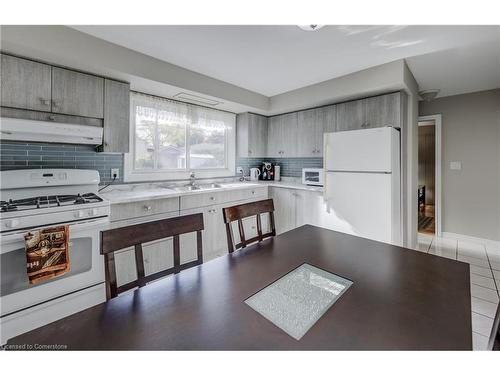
[(172, 135)]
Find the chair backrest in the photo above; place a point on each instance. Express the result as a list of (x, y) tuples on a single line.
[(135, 235), (242, 211)]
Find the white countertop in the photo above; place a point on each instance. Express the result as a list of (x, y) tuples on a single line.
[(127, 193), (291, 185)]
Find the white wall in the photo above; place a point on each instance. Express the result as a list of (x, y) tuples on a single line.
[(471, 135), (376, 80)]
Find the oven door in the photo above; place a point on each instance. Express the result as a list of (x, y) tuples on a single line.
[(86, 267)]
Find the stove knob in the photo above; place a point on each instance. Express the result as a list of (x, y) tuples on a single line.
[(78, 214), (12, 223)]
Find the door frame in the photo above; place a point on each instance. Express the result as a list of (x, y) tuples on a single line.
[(437, 118)]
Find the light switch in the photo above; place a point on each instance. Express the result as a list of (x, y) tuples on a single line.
[(456, 165)]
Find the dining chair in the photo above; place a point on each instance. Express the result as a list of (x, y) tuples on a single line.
[(242, 211), (135, 235), (494, 341)]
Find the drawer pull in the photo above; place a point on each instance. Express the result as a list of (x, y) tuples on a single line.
[(212, 198), (253, 192), (147, 208)]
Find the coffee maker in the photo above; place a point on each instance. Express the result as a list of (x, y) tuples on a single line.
[(266, 171)]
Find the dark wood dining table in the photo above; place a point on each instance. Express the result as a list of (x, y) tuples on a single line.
[(400, 299)]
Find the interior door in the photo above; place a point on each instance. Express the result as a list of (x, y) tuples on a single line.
[(360, 204)]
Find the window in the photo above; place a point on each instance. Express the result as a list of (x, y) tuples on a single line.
[(169, 139)]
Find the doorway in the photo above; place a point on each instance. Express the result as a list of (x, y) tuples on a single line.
[(429, 175)]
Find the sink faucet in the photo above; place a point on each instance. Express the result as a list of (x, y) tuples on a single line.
[(192, 179)]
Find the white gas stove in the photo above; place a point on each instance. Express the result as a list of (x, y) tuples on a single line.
[(33, 199)]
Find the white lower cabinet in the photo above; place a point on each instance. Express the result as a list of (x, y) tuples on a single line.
[(214, 235), (284, 208), (250, 227), (158, 255), (212, 246), (294, 208)]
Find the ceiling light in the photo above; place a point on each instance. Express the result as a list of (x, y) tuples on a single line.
[(310, 27), (428, 95)]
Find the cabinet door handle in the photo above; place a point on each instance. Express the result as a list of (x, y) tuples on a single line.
[(147, 208), (45, 101), (212, 198), (52, 118), (253, 192)]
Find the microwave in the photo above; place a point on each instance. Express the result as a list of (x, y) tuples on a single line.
[(313, 176)]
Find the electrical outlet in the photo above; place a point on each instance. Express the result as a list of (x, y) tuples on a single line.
[(115, 173), (239, 169)]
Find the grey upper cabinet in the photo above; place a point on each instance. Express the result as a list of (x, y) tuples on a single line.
[(283, 135), (75, 93), (312, 124), (251, 133), (377, 111), (116, 135), (25, 84), (383, 110), (308, 125), (351, 115)]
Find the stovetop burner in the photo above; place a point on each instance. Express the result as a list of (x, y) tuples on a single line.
[(47, 201)]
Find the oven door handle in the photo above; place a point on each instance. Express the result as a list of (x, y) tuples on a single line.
[(74, 230)]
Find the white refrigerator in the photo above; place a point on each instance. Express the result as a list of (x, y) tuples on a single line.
[(363, 182)]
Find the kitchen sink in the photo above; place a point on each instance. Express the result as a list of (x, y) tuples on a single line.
[(197, 187), (187, 188), (210, 186)]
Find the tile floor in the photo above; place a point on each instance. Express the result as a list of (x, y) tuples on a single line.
[(484, 263)]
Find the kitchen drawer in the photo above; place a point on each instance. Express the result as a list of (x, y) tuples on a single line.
[(123, 211), (221, 197)]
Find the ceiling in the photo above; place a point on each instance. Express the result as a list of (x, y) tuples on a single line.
[(271, 60)]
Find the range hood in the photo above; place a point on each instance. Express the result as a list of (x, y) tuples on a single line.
[(15, 129)]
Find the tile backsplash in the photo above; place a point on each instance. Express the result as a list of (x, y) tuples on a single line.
[(290, 167), (32, 155)]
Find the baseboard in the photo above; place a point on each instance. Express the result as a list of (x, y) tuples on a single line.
[(464, 237)]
